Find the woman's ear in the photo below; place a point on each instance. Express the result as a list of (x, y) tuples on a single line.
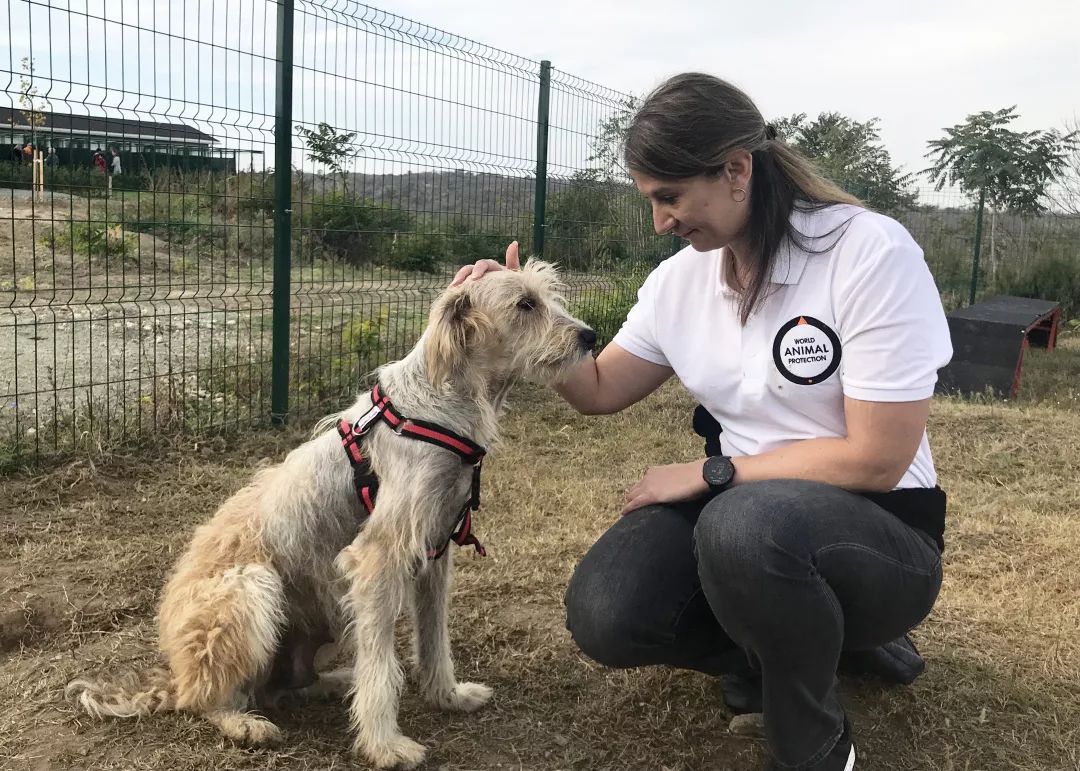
[(739, 168)]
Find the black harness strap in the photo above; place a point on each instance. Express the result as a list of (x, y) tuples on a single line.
[(367, 483)]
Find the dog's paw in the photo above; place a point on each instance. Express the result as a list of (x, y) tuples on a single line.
[(399, 752), (465, 697), (262, 733), (247, 729)]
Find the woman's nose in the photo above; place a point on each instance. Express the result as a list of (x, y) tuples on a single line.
[(662, 221)]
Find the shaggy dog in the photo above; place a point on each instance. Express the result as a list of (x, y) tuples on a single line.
[(281, 569)]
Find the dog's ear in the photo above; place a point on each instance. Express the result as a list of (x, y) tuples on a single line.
[(457, 329)]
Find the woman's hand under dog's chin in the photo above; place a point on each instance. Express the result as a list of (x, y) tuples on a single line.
[(666, 484), (480, 267)]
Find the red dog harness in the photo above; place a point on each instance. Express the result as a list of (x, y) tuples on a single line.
[(367, 484)]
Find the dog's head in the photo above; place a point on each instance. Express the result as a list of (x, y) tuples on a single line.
[(508, 324)]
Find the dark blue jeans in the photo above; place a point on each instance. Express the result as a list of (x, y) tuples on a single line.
[(783, 575)]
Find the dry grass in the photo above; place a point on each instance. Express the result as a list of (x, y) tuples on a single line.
[(83, 548)]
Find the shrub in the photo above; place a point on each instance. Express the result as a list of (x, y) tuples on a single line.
[(605, 309), (1049, 278), (353, 229), (94, 241)]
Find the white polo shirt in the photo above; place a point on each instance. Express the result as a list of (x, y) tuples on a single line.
[(863, 319)]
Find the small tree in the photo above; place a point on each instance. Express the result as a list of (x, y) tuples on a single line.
[(993, 164), (850, 153), (1065, 193), (331, 148), (597, 216), (32, 107), (605, 156)]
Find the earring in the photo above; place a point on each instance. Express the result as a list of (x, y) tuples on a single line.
[(735, 197)]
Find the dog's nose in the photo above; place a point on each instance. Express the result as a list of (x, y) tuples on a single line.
[(587, 338)]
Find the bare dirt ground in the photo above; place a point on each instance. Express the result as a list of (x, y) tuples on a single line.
[(84, 545)]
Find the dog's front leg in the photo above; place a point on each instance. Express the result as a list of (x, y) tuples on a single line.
[(431, 643), (376, 593)]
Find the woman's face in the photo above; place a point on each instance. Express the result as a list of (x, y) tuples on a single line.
[(703, 209)]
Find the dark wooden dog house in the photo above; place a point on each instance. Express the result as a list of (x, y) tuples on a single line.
[(989, 340)]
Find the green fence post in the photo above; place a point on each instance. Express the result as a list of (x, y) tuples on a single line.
[(540, 195), (279, 356), (978, 247)]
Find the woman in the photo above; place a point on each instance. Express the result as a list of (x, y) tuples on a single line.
[(811, 331)]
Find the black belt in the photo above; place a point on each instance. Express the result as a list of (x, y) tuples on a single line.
[(922, 508)]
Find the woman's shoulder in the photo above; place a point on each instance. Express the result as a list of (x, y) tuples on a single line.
[(853, 228)]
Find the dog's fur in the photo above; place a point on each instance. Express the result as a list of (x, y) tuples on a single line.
[(281, 570)]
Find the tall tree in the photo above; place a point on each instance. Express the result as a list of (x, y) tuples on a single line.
[(597, 217), (1064, 194), (850, 153), (994, 164), (605, 149)]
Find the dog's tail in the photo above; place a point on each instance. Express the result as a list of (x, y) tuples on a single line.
[(132, 695)]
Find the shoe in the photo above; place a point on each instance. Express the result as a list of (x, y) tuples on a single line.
[(742, 692), (840, 758), (898, 661)]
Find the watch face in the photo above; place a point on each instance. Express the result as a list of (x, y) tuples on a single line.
[(718, 471)]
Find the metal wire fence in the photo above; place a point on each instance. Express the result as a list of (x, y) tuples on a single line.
[(144, 289), (158, 274), (1026, 255)]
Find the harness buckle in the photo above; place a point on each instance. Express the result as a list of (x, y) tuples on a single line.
[(364, 423)]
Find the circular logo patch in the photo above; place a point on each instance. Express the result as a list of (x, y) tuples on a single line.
[(806, 351)]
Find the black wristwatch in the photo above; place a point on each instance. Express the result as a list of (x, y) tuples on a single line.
[(718, 472)]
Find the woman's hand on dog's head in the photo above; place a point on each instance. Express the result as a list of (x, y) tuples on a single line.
[(479, 268)]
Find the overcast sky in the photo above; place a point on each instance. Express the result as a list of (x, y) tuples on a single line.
[(918, 65)]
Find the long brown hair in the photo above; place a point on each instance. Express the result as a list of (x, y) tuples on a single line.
[(688, 127)]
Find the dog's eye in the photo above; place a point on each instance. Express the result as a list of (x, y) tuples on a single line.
[(526, 304)]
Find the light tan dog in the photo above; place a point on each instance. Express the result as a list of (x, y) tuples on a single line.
[(281, 570)]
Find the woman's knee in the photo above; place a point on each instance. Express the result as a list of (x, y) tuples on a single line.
[(744, 531), (626, 594), (730, 528), (622, 618), (599, 619)]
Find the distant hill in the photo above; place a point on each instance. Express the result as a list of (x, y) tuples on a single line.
[(450, 194), (453, 194)]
